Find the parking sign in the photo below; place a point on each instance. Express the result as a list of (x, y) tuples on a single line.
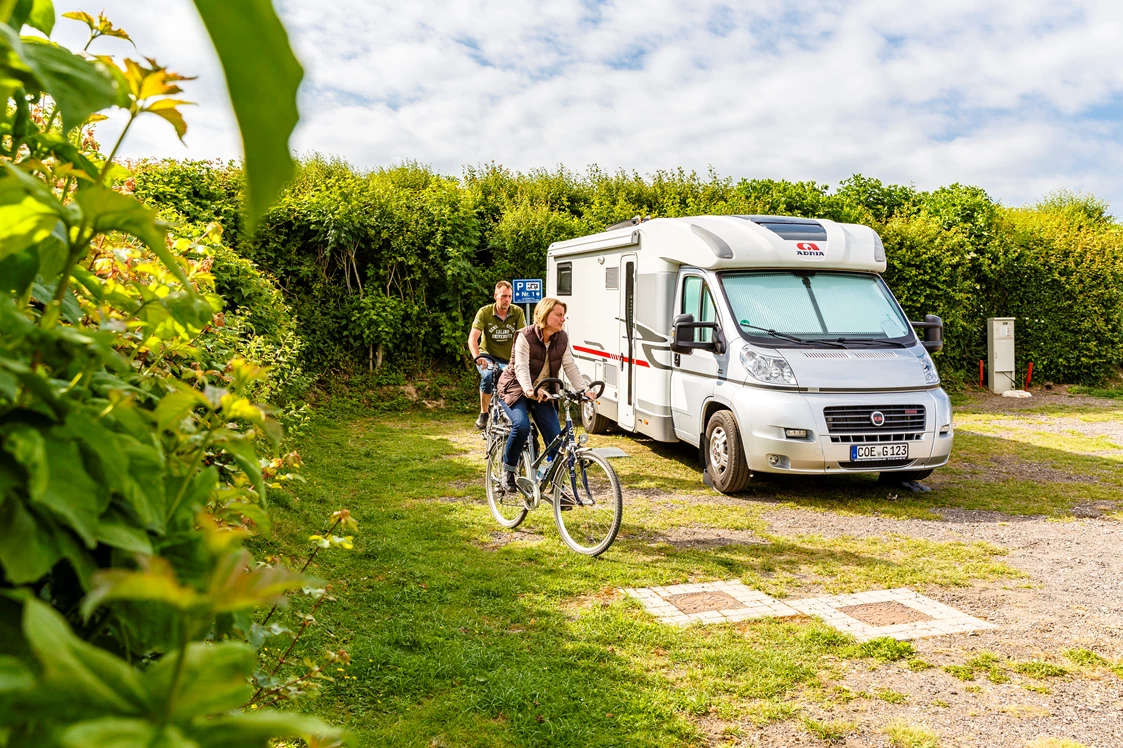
[(526, 290)]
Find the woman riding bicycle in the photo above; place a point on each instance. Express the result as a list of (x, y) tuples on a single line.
[(541, 351)]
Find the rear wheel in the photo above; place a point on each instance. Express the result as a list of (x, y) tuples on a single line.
[(725, 457), (589, 519), (903, 476), (593, 421), (508, 508)]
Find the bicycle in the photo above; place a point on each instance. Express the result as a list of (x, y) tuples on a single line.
[(582, 486)]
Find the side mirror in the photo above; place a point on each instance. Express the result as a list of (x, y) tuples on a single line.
[(933, 328), (682, 335)]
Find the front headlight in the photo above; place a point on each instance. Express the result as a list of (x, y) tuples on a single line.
[(929, 367), (766, 369)]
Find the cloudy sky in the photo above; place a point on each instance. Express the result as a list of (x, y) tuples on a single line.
[(1020, 97)]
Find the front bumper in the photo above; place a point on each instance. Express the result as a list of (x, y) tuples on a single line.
[(763, 416)]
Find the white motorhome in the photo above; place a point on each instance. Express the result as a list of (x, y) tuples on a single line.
[(771, 343)]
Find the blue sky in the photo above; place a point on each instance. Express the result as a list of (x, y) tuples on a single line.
[(1019, 97)]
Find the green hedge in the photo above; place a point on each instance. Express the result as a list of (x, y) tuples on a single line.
[(385, 268)]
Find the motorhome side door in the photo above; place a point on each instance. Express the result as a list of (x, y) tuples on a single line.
[(626, 407), (693, 374)]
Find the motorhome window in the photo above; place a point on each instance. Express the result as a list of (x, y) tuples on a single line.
[(697, 300), (565, 279), (818, 305)]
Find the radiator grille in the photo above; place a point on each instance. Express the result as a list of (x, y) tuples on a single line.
[(867, 438), (858, 418)]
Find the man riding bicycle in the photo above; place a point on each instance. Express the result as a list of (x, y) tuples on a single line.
[(496, 324), (540, 351)]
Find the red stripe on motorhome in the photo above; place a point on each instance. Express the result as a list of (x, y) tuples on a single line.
[(612, 356)]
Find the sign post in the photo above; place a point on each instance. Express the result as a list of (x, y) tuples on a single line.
[(526, 291)]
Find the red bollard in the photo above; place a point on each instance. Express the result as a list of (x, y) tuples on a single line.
[(980, 373), (1029, 374)]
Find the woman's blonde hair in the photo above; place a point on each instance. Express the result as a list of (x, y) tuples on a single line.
[(544, 307)]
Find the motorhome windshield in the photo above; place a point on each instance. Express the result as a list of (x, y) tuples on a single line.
[(817, 307)]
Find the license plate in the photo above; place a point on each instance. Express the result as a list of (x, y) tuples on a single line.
[(879, 452)]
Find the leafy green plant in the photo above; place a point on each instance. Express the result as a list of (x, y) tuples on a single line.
[(129, 460)]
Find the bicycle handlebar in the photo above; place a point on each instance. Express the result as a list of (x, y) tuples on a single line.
[(489, 357), (569, 394)]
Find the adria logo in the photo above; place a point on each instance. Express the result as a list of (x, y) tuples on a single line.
[(808, 247)]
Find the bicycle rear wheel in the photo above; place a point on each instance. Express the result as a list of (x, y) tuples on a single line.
[(588, 520), (509, 509)]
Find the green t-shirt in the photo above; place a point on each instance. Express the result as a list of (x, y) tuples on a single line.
[(498, 334)]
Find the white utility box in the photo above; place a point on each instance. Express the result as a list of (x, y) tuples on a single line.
[(1000, 353)]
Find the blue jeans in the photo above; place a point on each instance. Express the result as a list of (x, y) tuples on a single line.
[(519, 413), (488, 377)]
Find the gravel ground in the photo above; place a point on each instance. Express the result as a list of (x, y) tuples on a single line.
[(1073, 598)]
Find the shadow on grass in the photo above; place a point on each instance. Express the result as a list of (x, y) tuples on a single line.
[(453, 643), (985, 474)]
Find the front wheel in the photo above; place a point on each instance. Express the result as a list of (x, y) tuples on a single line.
[(508, 508), (589, 519), (725, 457)]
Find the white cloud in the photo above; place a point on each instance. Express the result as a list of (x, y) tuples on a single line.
[(1017, 96)]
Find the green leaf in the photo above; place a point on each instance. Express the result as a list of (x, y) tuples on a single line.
[(26, 217), (120, 534), (256, 728), (241, 449), (14, 675), (237, 585), (70, 493), (29, 449), (83, 678), (38, 14), (174, 407), (155, 581), (111, 211), (18, 271), (117, 732), (262, 75), (27, 551), (214, 679), (79, 86), (144, 482)]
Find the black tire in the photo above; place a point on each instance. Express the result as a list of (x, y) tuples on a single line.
[(508, 509), (725, 456), (902, 476), (593, 421), (591, 524)]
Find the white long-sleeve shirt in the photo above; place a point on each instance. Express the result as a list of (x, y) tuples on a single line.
[(522, 366)]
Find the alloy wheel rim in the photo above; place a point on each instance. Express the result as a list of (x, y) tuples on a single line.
[(719, 450)]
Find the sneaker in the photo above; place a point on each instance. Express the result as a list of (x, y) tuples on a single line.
[(507, 484), (481, 422)]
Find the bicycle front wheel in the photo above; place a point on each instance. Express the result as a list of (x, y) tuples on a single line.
[(589, 519), (508, 508)]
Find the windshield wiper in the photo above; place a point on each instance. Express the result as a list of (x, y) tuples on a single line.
[(871, 341), (792, 338)]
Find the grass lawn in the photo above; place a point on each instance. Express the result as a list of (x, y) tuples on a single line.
[(463, 634)]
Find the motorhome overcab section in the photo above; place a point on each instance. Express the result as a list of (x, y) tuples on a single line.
[(771, 343)]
